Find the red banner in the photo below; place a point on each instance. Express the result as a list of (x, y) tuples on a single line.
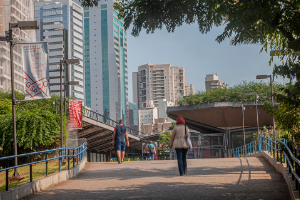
[(75, 108)]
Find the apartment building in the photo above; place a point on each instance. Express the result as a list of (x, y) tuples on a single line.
[(14, 11), (61, 26), (189, 89), (158, 81), (105, 51), (212, 81)]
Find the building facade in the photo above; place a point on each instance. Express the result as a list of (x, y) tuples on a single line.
[(163, 104), (189, 89), (105, 51), (212, 81), (61, 26), (14, 11), (133, 118), (154, 82), (147, 115)]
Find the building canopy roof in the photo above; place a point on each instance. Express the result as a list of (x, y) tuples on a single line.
[(218, 116)]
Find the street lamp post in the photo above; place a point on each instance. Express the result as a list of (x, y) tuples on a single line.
[(243, 110), (66, 61), (22, 25), (257, 124), (271, 83)]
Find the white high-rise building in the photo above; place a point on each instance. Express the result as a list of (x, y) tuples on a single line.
[(189, 89), (61, 25), (105, 51), (14, 11), (158, 81)]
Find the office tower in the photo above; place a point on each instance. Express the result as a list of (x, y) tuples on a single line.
[(14, 11), (212, 81), (61, 25), (133, 118), (189, 89), (154, 82), (105, 47)]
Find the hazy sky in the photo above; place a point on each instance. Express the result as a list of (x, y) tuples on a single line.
[(199, 54)]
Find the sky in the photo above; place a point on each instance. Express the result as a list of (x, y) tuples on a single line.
[(199, 54)]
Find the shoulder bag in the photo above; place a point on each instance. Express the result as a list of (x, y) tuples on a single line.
[(188, 139)]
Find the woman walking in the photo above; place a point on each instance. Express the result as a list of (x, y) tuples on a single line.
[(179, 142)]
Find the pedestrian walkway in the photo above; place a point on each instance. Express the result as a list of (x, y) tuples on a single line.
[(220, 178)]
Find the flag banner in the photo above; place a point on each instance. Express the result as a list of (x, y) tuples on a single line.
[(75, 108), (36, 70)]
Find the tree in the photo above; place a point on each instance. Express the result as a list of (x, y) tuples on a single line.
[(232, 94), (38, 127), (173, 125), (164, 140)]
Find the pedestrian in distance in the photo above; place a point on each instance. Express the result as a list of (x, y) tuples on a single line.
[(120, 138), (179, 142), (151, 150)]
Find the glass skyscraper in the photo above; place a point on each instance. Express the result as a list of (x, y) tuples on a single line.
[(106, 71)]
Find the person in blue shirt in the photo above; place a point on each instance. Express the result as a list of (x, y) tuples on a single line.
[(119, 136), (151, 146)]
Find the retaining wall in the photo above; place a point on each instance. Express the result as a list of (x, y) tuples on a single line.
[(41, 183), (283, 169)]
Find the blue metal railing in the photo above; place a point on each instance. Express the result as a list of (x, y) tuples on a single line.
[(63, 153), (282, 151)]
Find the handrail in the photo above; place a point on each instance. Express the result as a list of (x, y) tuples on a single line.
[(80, 154), (105, 120), (287, 153)]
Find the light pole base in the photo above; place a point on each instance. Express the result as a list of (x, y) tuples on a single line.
[(16, 174)]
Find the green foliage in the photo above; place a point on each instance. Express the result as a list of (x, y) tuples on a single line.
[(164, 140), (287, 115), (38, 127), (5, 106), (173, 125), (232, 94)]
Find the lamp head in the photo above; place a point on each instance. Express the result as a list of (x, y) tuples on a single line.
[(263, 76)]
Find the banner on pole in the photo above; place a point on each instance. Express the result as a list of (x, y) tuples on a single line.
[(75, 110), (36, 70)]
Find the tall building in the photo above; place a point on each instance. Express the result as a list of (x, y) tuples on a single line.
[(14, 11), (105, 47), (61, 25), (133, 118), (154, 82), (212, 81), (189, 89)]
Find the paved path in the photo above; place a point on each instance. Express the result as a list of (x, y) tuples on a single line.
[(226, 178)]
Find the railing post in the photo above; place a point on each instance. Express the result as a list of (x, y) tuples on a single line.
[(6, 172), (73, 157), (68, 158), (59, 160), (47, 164), (77, 155), (277, 150), (281, 157), (30, 168), (255, 147), (296, 169)]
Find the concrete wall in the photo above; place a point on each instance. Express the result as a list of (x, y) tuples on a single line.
[(283, 169), (41, 183)]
